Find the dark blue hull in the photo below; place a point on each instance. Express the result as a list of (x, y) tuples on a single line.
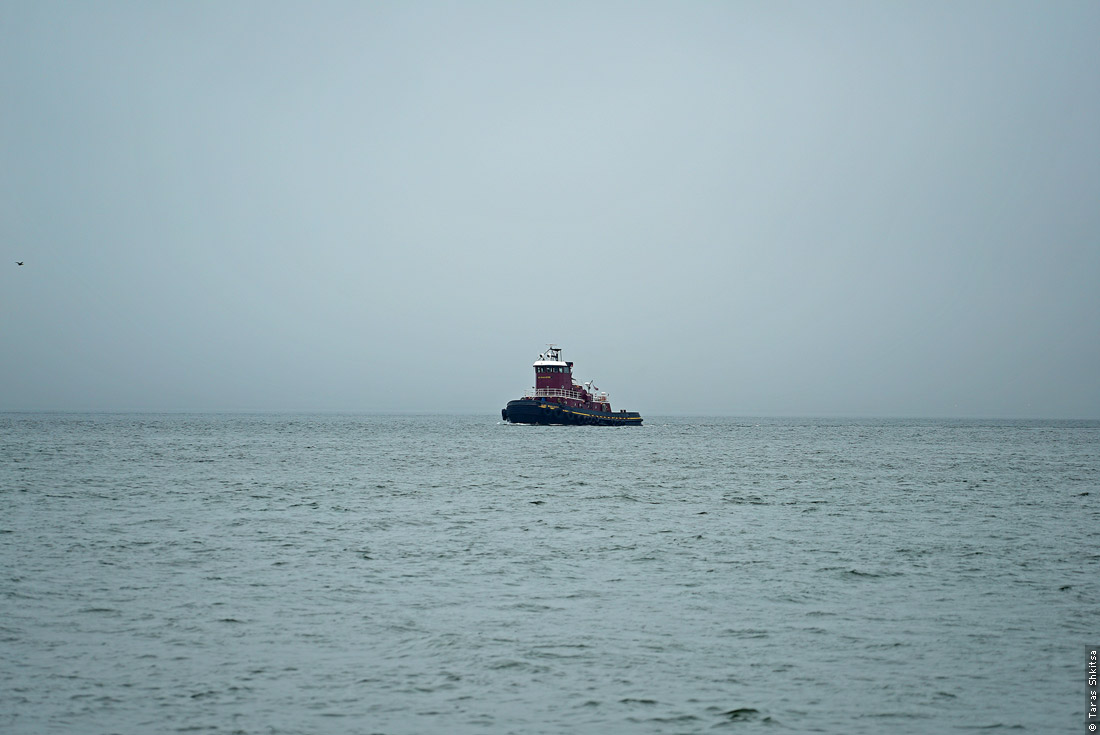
[(535, 411)]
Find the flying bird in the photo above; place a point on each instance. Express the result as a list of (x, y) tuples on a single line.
[(19, 262)]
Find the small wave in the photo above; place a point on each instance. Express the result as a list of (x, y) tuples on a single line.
[(995, 726), (674, 719), (511, 663), (747, 633), (859, 574), (745, 500), (532, 607), (742, 714)]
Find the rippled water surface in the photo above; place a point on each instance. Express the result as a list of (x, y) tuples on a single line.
[(435, 574)]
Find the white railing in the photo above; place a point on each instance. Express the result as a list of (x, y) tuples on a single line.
[(554, 393)]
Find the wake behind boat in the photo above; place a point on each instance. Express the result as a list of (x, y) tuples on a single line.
[(556, 399)]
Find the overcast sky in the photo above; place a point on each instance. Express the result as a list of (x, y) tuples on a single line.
[(755, 208)]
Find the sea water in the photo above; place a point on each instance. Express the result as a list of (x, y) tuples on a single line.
[(455, 574)]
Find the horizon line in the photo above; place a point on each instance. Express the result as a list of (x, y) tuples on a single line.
[(405, 412)]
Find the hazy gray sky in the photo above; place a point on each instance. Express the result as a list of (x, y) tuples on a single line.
[(853, 208)]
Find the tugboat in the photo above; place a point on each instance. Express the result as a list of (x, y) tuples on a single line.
[(556, 399)]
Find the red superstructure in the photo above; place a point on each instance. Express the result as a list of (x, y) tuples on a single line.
[(554, 380)]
